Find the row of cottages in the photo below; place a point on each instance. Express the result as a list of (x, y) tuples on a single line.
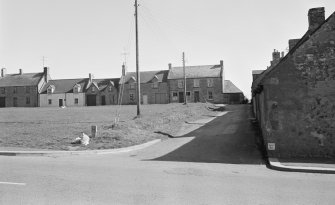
[(22, 89), (203, 84), (294, 100), (80, 92)]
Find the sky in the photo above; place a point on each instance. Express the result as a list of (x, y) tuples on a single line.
[(78, 37)]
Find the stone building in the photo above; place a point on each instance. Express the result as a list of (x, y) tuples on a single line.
[(154, 87), (203, 83), (22, 89), (64, 92), (102, 91), (294, 100)]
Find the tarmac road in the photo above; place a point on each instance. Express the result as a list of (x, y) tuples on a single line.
[(217, 164)]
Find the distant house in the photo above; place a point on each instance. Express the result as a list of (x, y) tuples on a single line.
[(203, 83), (294, 99), (232, 94), (102, 91), (154, 87), (64, 92), (22, 89)]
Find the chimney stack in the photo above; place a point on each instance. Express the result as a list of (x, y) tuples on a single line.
[(20, 71), (90, 77), (124, 70), (3, 72), (292, 43), (316, 16), (46, 73), (170, 66), (275, 55)]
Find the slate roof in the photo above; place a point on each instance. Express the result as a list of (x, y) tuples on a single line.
[(25, 79), (257, 72), (147, 76), (203, 71), (65, 85), (305, 37), (229, 87), (103, 83)]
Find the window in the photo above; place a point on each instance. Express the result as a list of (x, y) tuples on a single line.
[(27, 89), (76, 101), (27, 100), (93, 88), (76, 89), (49, 101), (196, 83), (15, 102), (174, 96), (210, 95), (3, 90), (180, 83), (132, 97), (210, 82), (15, 90), (132, 85), (110, 88), (50, 90), (155, 84), (188, 94)]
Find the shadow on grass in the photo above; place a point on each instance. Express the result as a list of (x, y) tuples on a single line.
[(231, 139)]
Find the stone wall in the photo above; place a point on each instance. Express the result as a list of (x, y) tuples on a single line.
[(21, 95)]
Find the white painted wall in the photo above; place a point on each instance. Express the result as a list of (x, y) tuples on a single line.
[(68, 99)]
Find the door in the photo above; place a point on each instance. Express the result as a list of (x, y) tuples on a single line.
[(91, 100), (60, 102), (2, 102), (181, 97), (15, 101), (160, 98), (196, 96), (103, 100), (145, 99)]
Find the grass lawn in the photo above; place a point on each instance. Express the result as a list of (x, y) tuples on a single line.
[(56, 128)]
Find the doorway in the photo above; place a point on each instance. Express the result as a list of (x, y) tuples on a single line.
[(103, 100), (91, 100), (2, 102), (60, 103), (196, 96), (181, 97)]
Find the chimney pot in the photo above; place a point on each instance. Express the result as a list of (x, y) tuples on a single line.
[(316, 16), (3, 72), (170, 66), (20, 71)]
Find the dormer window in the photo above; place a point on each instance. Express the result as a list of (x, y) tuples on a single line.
[(93, 89), (110, 88), (132, 85), (50, 89), (76, 88), (155, 84)]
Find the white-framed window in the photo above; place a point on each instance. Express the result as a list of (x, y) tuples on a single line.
[(155, 85), (174, 96), (210, 82), (196, 83), (76, 101), (50, 90), (93, 89), (188, 94), (27, 100), (180, 83), (110, 88), (50, 102), (76, 89), (3, 90), (132, 85), (210, 95)]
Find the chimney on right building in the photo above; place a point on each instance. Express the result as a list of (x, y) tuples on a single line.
[(316, 16)]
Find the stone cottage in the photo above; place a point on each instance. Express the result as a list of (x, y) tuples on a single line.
[(153, 85), (22, 89), (64, 92), (295, 99)]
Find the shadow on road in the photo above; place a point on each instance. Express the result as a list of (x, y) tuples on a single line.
[(232, 139)]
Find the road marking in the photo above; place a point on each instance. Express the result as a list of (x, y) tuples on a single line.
[(13, 183)]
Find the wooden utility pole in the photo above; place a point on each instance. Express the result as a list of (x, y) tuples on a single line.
[(138, 89), (185, 95)]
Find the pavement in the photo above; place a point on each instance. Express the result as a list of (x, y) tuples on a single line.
[(292, 165)]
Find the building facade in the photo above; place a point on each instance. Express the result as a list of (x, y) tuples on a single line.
[(153, 85), (22, 89), (294, 100)]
